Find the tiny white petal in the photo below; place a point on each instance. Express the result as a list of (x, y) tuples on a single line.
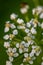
[(13, 16), (6, 37), (16, 54), (6, 29), (23, 10), (12, 26), (27, 30), (26, 45), (11, 59), (25, 49), (8, 63), (9, 50), (15, 32), (25, 54), (33, 31), (20, 21), (28, 24), (14, 50), (31, 62), (41, 15), (31, 54), (6, 44), (20, 51), (17, 45)]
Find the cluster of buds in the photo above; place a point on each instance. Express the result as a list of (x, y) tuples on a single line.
[(25, 39)]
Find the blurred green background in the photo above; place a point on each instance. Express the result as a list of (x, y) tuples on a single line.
[(6, 8)]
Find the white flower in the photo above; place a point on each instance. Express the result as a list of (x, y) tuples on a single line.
[(12, 26), (41, 15), (23, 10), (6, 37), (26, 45), (33, 31), (8, 63), (37, 10), (11, 58), (6, 44), (42, 25), (31, 62), (13, 16), (21, 27), (16, 54), (6, 29), (25, 49), (9, 50), (14, 50), (20, 21), (20, 51), (17, 45), (34, 47), (25, 54), (33, 11), (27, 30), (15, 32), (28, 24), (31, 54)]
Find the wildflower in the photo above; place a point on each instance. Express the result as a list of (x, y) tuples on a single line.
[(33, 31), (10, 59), (12, 26), (27, 30), (6, 37), (15, 32), (28, 24), (20, 21), (24, 8), (7, 25), (13, 16), (8, 63), (25, 54), (6, 44)]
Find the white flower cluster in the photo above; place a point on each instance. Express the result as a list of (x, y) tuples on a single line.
[(30, 30), (38, 11)]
